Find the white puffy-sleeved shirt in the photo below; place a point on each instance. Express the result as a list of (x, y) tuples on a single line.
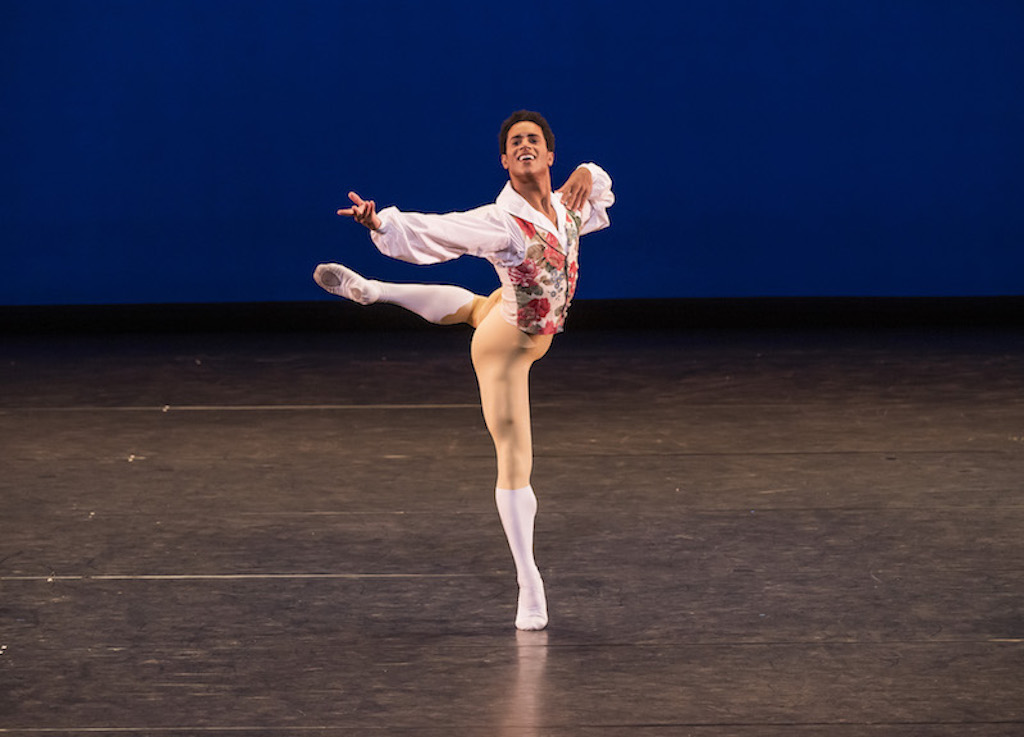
[(535, 259)]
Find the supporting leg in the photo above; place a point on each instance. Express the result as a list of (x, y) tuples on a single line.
[(502, 357)]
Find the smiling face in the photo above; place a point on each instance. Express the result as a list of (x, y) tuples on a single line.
[(526, 151)]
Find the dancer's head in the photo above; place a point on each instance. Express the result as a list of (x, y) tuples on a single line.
[(527, 145), (525, 115)]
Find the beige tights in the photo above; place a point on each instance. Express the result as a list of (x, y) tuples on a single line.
[(502, 357)]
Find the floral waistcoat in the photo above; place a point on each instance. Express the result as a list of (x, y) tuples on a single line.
[(545, 281)]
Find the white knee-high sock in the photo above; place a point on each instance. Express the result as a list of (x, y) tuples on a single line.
[(432, 302), (517, 509)]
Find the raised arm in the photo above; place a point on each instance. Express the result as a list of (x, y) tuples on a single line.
[(577, 188), (588, 190)]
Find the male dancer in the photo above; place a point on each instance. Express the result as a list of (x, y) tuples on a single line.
[(531, 237)]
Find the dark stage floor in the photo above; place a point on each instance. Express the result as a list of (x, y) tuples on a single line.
[(758, 534)]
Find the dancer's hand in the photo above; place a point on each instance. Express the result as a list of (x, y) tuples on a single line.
[(363, 211), (576, 189)]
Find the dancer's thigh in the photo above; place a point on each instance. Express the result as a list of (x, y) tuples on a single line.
[(497, 345), (502, 356)]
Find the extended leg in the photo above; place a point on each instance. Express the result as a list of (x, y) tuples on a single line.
[(443, 304), (502, 356)]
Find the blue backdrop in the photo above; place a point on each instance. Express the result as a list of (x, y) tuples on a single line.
[(195, 150)]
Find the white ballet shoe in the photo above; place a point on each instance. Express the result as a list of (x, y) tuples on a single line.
[(532, 607), (344, 282)]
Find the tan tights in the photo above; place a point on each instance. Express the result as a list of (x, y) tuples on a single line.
[(502, 357)]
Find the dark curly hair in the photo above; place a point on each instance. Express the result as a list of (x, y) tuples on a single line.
[(518, 117)]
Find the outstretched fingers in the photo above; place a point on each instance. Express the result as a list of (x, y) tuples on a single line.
[(352, 211), (362, 211)]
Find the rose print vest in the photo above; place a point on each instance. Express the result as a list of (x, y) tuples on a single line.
[(545, 282)]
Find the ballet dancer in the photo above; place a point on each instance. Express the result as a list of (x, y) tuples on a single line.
[(531, 237)]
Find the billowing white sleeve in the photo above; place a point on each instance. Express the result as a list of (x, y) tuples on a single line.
[(595, 210), (423, 238)]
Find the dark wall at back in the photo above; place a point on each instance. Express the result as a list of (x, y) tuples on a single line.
[(160, 151)]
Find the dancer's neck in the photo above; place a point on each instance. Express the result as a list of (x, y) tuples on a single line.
[(537, 193)]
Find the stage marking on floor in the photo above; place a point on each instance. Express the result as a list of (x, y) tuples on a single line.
[(236, 577), (246, 407), (165, 730)]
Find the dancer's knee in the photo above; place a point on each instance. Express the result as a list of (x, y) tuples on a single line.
[(509, 427)]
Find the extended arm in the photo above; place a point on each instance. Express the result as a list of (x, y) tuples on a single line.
[(420, 238), (427, 238)]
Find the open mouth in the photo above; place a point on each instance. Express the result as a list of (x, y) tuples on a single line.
[(526, 157)]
